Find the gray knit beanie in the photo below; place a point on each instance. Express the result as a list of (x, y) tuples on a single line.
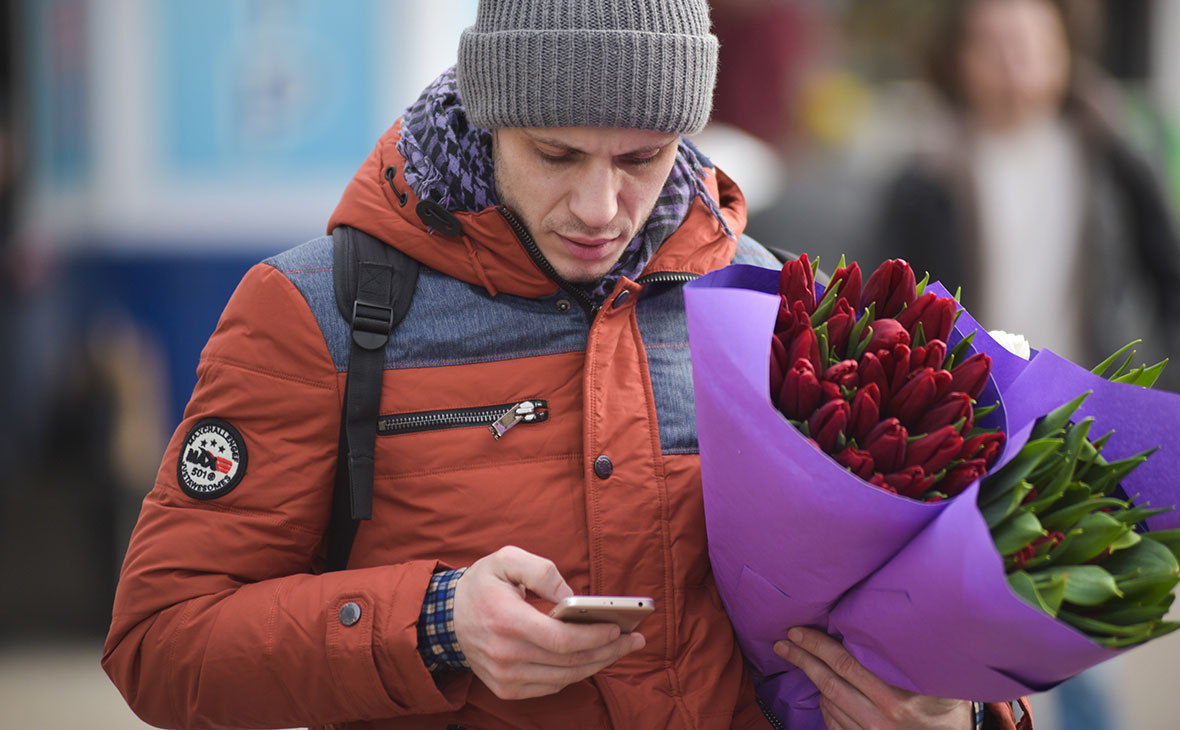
[(632, 64)]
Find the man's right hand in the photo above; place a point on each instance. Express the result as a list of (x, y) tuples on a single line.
[(516, 650)]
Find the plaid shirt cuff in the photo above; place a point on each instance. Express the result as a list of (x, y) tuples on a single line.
[(436, 625)]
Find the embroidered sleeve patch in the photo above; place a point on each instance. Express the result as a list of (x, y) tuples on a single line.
[(212, 459)]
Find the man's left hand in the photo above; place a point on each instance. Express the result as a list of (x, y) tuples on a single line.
[(853, 698)]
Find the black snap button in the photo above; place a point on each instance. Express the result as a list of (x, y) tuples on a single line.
[(563, 305), (603, 466), (438, 218), (622, 298), (350, 613)]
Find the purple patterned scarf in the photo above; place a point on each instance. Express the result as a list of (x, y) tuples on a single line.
[(449, 161)]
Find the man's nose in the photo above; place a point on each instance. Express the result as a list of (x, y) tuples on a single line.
[(595, 198)]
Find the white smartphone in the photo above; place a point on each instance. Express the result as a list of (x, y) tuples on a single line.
[(624, 611)]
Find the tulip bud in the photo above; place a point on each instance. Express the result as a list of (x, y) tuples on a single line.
[(866, 411), (887, 444), (887, 333), (951, 409), (804, 344), (960, 477), (891, 287), (778, 365), (847, 279), (843, 374), (871, 370), (937, 315), (911, 481), (970, 376), (828, 423), (800, 394), (934, 451), (930, 355), (878, 480), (985, 446), (915, 397), (829, 391), (840, 324), (797, 283), (857, 461)]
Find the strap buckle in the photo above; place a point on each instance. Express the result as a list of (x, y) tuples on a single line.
[(371, 324)]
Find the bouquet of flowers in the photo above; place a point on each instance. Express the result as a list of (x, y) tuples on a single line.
[(847, 495)]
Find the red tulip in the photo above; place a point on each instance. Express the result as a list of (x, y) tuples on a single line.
[(970, 376), (886, 334), (829, 391), (866, 411), (986, 446), (828, 423), (887, 443), (778, 365), (917, 395), (930, 355), (797, 283), (937, 315), (804, 344), (791, 320), (847, 279), (960, 477), (857, 461), (949, 410), (911, 481), (843, 374), (800, 394), (891, 288), (873, 371), (878, 479), (934, 451), (840, 323)]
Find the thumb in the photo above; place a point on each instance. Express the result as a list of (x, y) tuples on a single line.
[(533, 572)]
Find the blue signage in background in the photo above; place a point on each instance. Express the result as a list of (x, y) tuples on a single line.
[(266, 88)]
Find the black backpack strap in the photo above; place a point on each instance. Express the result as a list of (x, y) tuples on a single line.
[(374, 287)]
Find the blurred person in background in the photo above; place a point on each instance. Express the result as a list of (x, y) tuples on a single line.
[(1030, 199)]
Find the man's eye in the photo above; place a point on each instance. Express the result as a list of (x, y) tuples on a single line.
[(640, 160), (555, 159)]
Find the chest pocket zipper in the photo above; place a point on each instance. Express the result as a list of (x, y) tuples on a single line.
[(497, 418)]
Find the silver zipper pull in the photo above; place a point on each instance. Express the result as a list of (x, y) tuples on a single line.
[(524, 411)]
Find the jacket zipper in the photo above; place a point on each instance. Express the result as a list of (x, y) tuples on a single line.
[(498, 418), (534, 251), (668, 277)]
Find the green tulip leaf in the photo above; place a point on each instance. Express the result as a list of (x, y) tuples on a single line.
[(996, 486), (1086, 585), (1101, 368), (1056, 419), (1046, 596), (1097, 531), (998, 510), (1016, 531), (957, 353), (1066, 517)]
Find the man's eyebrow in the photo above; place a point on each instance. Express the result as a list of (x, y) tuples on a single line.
[(648, 149)]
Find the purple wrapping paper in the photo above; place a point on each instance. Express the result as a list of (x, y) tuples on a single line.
[(791, 531)]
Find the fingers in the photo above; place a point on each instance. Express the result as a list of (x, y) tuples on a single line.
[(535, 573), (516, 650), (830, 682), (835, 718), (833, 654)]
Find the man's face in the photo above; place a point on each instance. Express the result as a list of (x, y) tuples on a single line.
[(582, 192)]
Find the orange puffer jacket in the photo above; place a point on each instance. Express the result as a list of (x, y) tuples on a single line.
[(221, 619)]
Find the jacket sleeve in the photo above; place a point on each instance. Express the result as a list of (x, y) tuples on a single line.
[(218, 620)]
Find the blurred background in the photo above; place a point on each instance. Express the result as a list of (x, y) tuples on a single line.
[(153, 150)]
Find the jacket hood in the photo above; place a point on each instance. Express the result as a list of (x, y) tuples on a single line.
[(486, 252)]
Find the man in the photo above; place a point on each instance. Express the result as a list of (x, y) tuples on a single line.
[(545, 189)]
